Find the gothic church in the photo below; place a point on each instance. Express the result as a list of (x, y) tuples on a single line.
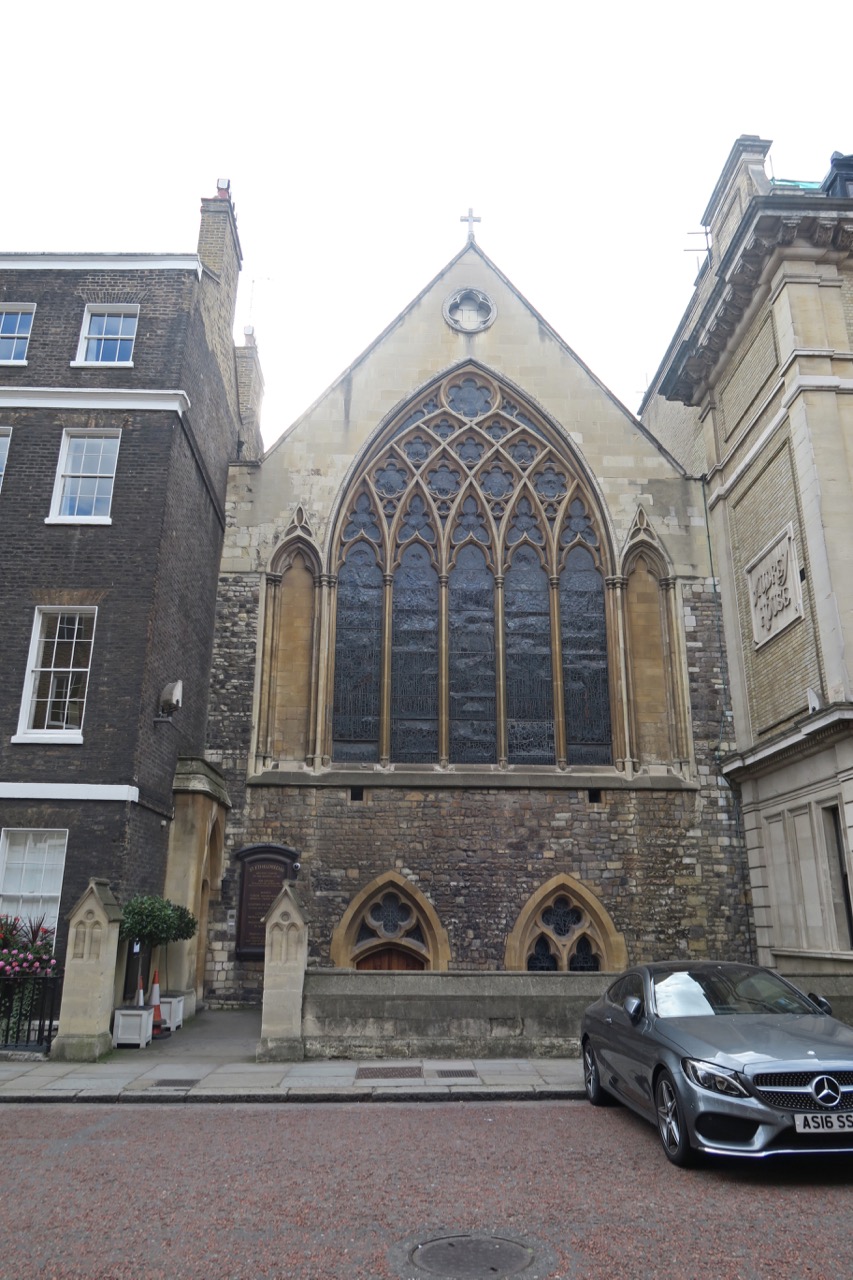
[(468, 679)]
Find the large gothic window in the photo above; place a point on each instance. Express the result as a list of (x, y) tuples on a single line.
[(470, 600)]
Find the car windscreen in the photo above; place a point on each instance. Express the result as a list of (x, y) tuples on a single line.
[(690, 993)]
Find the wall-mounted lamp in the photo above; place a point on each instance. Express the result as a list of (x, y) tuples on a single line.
[(171, 697)]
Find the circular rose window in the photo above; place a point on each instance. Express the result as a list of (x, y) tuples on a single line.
[(469, 310)]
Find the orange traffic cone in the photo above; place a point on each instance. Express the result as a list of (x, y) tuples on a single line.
[(160, 1032), (140, 994)]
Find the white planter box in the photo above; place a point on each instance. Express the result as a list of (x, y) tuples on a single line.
[(172, 1011), (133, 1026)]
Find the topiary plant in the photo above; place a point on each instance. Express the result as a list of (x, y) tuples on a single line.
[(155, 922)]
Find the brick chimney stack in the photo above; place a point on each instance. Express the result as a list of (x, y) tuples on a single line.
[(250, 393), (218, 241)]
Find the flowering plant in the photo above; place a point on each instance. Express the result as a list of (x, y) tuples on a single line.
[(26, 946)]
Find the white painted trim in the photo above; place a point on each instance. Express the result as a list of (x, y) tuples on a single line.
[(68, 791), (78, 433), (100, 262), (167, 401), (14, 364), (93, 309), (100, 364), (70, 738)]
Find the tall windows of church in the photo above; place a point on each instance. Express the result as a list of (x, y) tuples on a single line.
[(357, 656), (471, 658), (414, 658), (469, 561), (584, 637), (529, 688)]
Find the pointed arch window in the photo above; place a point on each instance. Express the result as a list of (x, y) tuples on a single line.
[(470, 603)]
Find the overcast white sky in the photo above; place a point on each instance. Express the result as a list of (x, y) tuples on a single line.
[(356, 134)]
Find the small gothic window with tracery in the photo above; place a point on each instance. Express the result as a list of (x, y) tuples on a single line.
[(470, 552), (562, 939), (390, 935)]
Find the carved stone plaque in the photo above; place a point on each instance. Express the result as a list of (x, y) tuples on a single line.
[(265, 868), (773, 580)]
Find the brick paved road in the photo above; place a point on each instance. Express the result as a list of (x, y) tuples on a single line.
[(243, 1192)]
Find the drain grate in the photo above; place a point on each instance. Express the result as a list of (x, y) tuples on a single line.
[(473, 1257), (175, 1084), (389, 1073), (464, 1073)]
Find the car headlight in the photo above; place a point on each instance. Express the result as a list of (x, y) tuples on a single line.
[(716, 1079)]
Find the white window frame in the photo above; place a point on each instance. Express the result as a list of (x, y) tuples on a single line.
[(21, 308), (63, 475), (52, 734), (51, 913), (104, 309), (5, 435)]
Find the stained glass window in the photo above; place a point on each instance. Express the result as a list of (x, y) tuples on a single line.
[(457, 494), (414, 658), (585, 684), (471, 659), (357, 656), (529, 690)]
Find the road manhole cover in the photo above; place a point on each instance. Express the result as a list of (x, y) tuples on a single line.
[(464, 1073), (174, 1084), (472, 1257)]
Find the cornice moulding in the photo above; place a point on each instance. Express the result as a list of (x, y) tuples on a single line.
[(169, 401)]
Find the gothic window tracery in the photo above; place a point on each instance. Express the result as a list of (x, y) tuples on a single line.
[(458, 569)]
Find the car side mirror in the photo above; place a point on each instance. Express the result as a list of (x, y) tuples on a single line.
[(633, 1006), (822, 1003)]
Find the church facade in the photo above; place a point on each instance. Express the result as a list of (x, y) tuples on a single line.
[(469, 685)]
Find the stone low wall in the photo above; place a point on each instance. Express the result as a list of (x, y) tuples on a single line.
[(347, 1014)]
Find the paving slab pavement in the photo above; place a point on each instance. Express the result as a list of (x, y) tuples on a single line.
[(212, 1059)]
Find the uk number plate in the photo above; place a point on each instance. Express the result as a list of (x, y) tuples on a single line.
[(823, 1122)]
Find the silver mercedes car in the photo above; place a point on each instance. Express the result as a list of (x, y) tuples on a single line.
[(725, 1059)]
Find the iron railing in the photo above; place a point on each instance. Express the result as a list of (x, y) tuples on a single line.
[(29, 1006)]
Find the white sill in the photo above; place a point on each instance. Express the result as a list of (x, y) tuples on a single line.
[(69, 737), (15, 364), (78, 519), (101, 364)]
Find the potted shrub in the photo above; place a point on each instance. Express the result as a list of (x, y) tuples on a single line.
[(155, 922)]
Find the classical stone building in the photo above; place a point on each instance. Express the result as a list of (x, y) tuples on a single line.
[(468, 669), (122, 402), (755, 393)]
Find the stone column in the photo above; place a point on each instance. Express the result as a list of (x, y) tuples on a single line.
[(90, 974), (285, 961)]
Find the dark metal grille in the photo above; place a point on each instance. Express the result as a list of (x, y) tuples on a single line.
[(357, 646), (471, 596), (389, 1073), (562, 917), (797, 1079), (802, 1101), (584, 645), (414, 659), (28, 1005), (463, 1073), (529, 691)]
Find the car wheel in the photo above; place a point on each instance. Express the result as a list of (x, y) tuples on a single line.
[(671, 1126), (591, 1079)]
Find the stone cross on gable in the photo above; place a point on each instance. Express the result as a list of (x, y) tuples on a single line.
[(470, 219)]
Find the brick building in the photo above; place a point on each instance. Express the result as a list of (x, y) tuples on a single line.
[(755, 394), (468, 669), (122, 403)]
